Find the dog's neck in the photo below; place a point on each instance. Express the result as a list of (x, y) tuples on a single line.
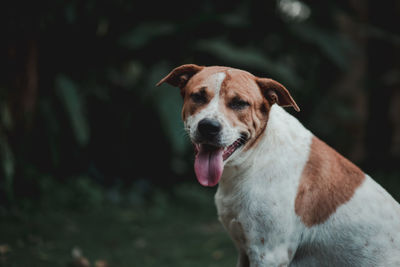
[(284, 143)]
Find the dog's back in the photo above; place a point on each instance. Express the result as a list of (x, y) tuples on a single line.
[(365, 231)]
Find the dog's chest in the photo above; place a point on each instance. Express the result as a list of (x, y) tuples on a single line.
[(231, 211), (228, 207), (254, 207)]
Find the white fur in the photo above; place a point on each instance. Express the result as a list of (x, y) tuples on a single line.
[(255, 202)]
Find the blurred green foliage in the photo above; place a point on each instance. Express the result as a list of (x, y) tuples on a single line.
[(95, 110), (168, 231), (83, 127)]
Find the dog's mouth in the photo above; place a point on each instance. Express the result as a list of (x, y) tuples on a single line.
[(209, 160), (227, 151)]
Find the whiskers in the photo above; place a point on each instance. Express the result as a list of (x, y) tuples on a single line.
[(230, 139), (185, 133)]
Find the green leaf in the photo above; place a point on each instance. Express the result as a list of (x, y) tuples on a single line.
[(73, 103), (249, 58), (8, 167), (332, 45), (144, 33), (70, 13), (5, 116)]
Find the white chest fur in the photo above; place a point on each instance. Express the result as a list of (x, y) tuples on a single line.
[(255, 201)]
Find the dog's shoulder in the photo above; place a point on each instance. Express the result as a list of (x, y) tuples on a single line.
[(328, 180)]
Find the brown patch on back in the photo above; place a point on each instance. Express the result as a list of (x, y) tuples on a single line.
[(328, 181)]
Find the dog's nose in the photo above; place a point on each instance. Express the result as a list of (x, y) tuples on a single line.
[(209, 128)]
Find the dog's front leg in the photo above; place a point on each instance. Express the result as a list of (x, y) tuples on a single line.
[(273, 248), (257, 250), (236, 230)]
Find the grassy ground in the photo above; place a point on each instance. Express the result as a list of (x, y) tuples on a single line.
[(121, 229), (179, 230)]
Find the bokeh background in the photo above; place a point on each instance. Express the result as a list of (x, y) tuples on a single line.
[(95, 167)]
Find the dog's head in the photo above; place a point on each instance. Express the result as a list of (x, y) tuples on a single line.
[(225, 112)]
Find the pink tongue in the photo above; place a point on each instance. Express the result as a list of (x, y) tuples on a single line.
[(208, 166)]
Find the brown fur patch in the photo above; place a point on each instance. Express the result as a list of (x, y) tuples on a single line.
[(253, 119), (328, 181), (181, 75), (198, 82)]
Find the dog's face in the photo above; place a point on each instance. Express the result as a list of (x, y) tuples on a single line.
[(225, 112)]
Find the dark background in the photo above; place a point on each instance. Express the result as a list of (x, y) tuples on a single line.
[(93, 157)]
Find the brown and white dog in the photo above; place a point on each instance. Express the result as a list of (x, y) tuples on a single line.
[(284, 196)]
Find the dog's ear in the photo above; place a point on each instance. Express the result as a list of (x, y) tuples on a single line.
[(181, 75), (275, 92)]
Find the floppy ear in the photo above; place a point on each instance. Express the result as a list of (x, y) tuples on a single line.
[(181, 75), (275, 92)]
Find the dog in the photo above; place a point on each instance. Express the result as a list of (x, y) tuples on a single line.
[(285, 197)]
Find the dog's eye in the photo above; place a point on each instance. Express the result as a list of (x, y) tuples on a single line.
[(238, 104), (199, 98)]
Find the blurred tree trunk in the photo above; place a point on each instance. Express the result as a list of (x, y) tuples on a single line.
[(350, 86), (382, 65), (20, 69), (23, 57)]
